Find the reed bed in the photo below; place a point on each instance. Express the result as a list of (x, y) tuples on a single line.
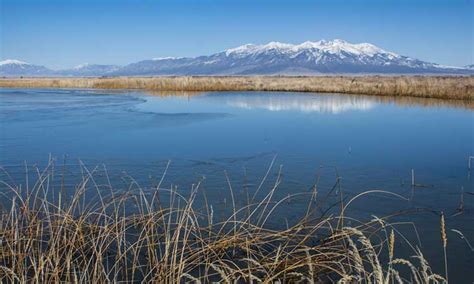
[(50, 232), (440, 87)]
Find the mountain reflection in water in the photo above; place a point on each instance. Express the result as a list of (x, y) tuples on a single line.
[(289, 102), (303, 102)]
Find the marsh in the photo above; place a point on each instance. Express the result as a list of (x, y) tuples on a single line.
[(367, 142)]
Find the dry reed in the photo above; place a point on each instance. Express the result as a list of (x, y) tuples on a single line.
[(444, 239), (47, 235), (441, 87)]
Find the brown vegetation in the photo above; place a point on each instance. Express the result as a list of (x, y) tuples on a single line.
[(50, 235), (459, 88)]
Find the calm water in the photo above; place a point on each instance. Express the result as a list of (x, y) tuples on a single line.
[(372, 143)]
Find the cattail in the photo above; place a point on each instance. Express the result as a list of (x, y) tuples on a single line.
[(443, 231), (391, 245), (445, 243)]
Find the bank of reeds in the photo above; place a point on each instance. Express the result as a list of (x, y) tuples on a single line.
[(49, 234), (440, 87)]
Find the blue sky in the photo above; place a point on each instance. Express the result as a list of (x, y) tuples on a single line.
[(66, 33)]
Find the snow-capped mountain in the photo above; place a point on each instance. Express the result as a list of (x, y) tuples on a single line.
[(275, 58), (321, 57), (12, 67), (87, 70)]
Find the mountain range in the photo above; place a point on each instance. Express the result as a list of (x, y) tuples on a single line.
[(275, 58)]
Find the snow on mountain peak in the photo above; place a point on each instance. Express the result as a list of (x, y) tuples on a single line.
[(13, 61), (277, 45), (253, 48), (241, 49), (166, 58), (336, 46), (80, 66)]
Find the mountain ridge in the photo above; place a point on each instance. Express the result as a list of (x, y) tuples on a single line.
[(274, 58)]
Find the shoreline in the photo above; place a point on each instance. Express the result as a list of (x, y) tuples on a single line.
[(439, 87)]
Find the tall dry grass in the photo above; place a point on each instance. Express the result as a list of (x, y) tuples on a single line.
[(459, 88), (50, 236)]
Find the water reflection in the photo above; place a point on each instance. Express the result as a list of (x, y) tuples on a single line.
[(424, 102), (304, 103), (311, 102)]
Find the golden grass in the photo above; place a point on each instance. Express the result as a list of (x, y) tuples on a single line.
[(48, 236), (440, 87)]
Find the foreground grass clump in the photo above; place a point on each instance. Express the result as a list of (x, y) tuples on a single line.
[(440, 87), (159, 235)]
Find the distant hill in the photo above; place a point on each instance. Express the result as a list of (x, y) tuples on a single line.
[(89, 70), (275, 58), (12, 67)]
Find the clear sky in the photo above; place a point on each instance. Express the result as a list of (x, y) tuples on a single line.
[(65, 33)]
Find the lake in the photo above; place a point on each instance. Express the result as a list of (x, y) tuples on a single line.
[(368, 143)]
